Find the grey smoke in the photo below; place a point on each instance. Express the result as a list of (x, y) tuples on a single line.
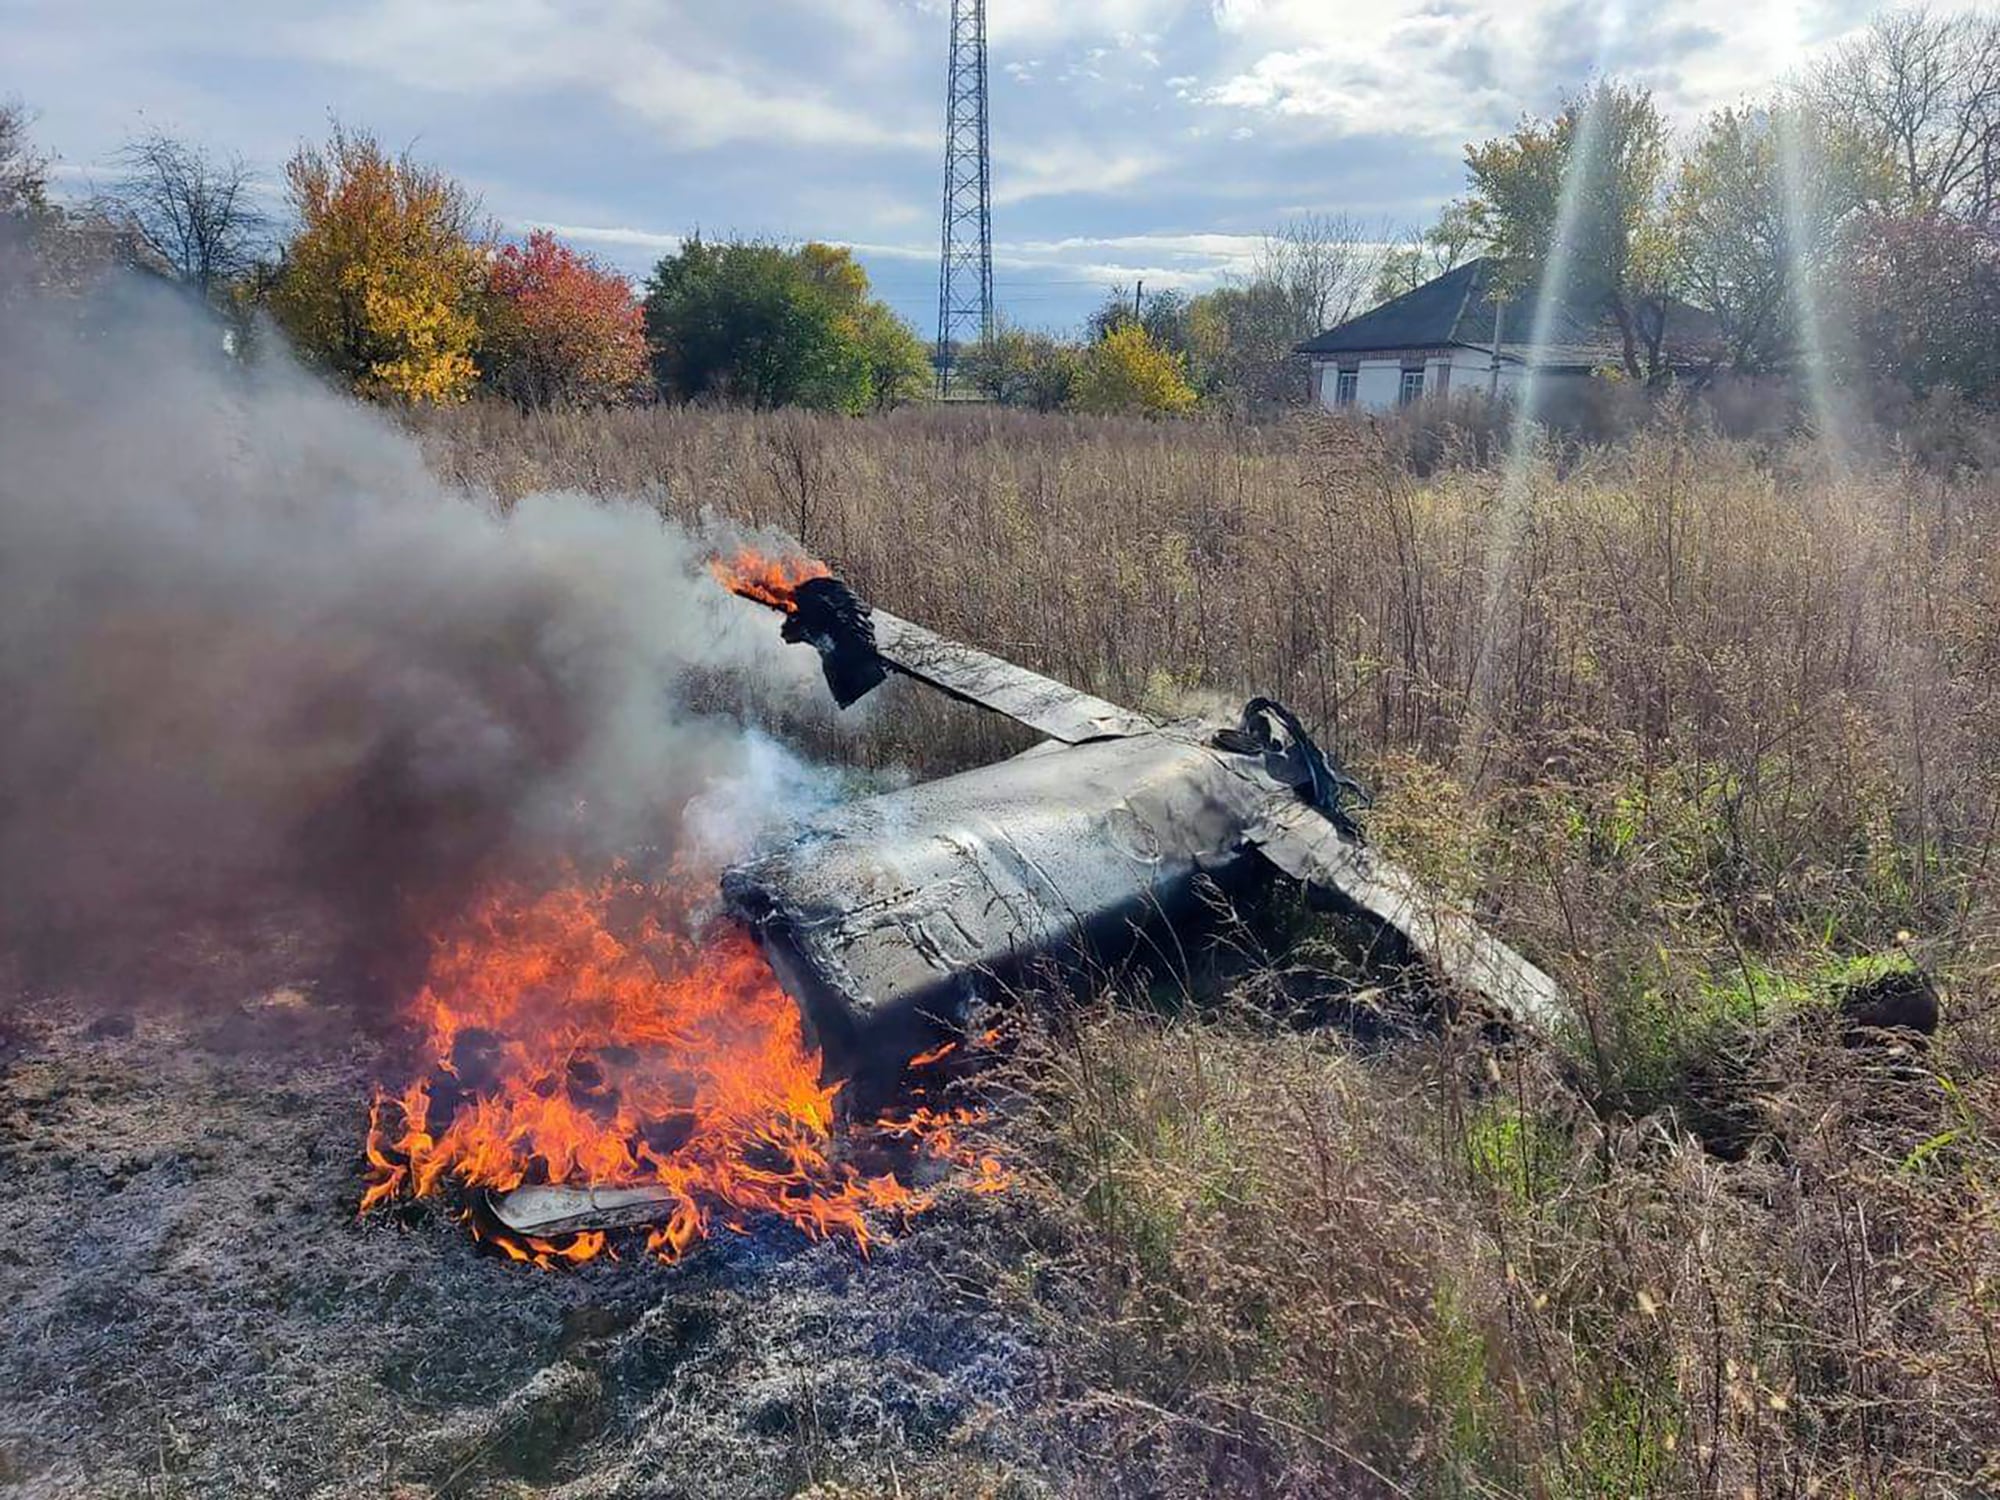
[(248, 644)]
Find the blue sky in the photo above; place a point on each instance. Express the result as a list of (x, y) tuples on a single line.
[(1154, 139)]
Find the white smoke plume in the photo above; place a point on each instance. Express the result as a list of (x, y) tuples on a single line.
[(249, 644)]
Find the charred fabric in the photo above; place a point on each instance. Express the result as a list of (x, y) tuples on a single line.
[(888, 919)]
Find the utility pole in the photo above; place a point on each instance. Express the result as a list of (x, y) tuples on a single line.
[(965, 275)]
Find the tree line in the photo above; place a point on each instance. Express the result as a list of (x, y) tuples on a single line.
[(388, 278), (1850, 220)]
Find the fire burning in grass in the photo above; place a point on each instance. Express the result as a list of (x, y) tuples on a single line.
[(596, 1034)]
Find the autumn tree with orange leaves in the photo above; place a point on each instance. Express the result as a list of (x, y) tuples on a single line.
[(383, 281), (561, 329)]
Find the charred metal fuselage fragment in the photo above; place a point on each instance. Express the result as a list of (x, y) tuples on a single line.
[(885, 917)]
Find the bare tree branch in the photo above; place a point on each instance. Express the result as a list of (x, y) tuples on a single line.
[(1926, 88), (193, 211), (23, 171), (1327, 265)]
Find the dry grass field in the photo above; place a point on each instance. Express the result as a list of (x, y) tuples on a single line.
[(1711, 729), (1708, 727)]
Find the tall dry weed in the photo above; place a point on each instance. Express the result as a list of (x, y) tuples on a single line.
[(1711, 729)]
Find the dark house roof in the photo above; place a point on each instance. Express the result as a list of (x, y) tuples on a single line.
[(1459, 308)]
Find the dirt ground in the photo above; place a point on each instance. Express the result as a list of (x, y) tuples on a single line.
[(189, 1305)]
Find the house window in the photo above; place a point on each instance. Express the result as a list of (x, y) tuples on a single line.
[(1413, 386), (1345, 384)]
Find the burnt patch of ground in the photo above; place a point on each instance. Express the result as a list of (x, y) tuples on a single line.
[(189, 1305)]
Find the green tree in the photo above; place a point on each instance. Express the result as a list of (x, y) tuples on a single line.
[(1127, 371), (1168, 317), (1607, 154), (749, 322), (1402, 271), (1016, 367), (1118, 308), (1235, 343), (1451, 240), (1425, 256), (769, 326), (1760, 211), (997, 367), (1055, 367), (835, 271), (899, 363), (1240, 346)]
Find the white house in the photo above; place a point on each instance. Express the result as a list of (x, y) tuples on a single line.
[(1451, 336)]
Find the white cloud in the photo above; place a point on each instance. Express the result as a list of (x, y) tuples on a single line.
[(1209, 248), (1029, 23), (1192, 261), (1069, 167), (1235, 15), (1112, 119), (1189, 262), (658, 241), (1109, 273), (696, 81), (1444, 72)]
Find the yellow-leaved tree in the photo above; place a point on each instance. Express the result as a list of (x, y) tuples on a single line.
[(383, 279), (1128, 371)]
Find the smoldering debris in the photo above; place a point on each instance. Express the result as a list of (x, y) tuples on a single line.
[(248, 642), (192, 1308)]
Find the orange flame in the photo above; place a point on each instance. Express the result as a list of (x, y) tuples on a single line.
[(768, 580), (578, 1036)]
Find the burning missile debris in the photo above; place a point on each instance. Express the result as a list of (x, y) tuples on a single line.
[(603, 1060), (887, 920)]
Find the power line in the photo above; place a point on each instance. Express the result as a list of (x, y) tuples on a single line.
[(965, 252)]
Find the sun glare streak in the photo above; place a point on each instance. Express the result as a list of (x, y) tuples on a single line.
[(1798, 184), (1510, 515)]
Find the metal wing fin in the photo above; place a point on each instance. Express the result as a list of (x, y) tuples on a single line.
[(1306, 846), (1043, 704), (859, 644)]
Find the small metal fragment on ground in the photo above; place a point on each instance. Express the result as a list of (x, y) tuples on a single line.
[(544, 1212)]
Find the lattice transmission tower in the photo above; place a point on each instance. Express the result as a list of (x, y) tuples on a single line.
[(965, 277)]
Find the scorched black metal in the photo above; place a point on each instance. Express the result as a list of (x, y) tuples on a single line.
[(887, 916)]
